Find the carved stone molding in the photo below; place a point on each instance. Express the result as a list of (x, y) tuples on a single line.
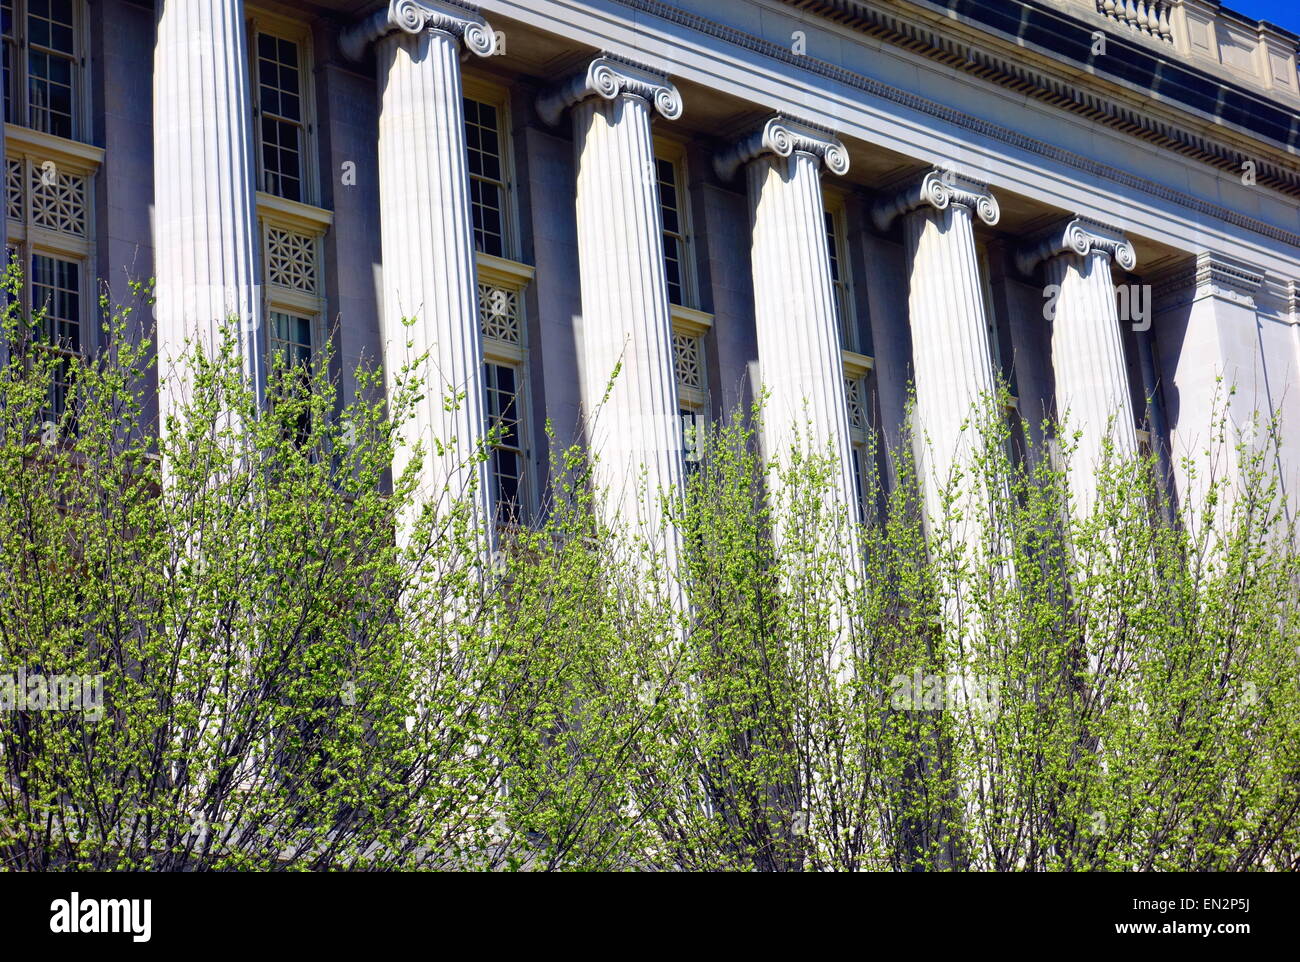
[(783, 136), (1082, 236), (1013, 72), (1213, 275), (938, 189), (415, 16), (609, 77)]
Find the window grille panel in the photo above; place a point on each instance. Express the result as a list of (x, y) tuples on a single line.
[(58, 200), (291, 260), (498, 313)]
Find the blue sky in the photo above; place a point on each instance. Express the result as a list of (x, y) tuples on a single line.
[(1284, 13)]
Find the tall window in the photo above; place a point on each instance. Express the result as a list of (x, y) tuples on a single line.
[(485, 141), (290, 339), (837, 247), (291, 346), (692, 390), (281, 116), (10, 53), (41, 65), (857, 396), (673, 222), (503, 389), (49, 206), (998, 333), (1001, 357), (56, 290)]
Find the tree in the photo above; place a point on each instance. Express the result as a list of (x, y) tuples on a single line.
[(230, 660)]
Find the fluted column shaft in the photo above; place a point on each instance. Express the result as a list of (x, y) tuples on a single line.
[(629, 385), (205, 233), (799, 352), (1093, 400), (430, 308), (1092, 391), (951, 355), (429, 270), (801, 364)]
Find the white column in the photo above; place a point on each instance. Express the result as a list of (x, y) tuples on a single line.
[(1092, 387), (799, 352), (951, 357), (205, 234), (633, 426), (430, 303)]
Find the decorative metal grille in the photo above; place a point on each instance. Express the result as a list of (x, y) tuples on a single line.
[(855, 394), (498, 313), (291, 260), (688, 361), (58, 200), (14, 189)]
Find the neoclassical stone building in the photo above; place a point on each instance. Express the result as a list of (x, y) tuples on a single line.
[(833, 199)]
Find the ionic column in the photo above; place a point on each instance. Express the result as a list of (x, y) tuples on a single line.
[(429, 284), (629, 387), (205, 232), (1092, 389), (951, 357), (799, 352)]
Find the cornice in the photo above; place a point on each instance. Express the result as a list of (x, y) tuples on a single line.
[(292, 213), (1212, 275), (856, 365), (939, 189), (688, 320), (996, 132), (415, 16), (1057, 81), (71, 155), (1292, 295), (784, 136), (609, 77), (502, 270), (1082, 236)]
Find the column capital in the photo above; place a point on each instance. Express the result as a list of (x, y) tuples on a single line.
[(784, 136), (939, 188), (415, 16), (1082, 236), (609, 77)]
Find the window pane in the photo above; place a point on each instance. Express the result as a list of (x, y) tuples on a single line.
[(673, 228), (56, 291), (839, 280), (291, 339), (484, 156), (278, 97), (833, 246), (504, 415)]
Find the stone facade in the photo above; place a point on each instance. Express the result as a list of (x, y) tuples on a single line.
[(833, 201)]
